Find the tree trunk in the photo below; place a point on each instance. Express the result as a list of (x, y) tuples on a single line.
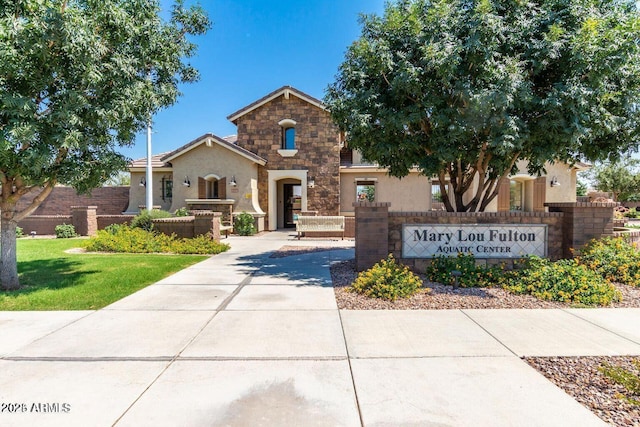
[(8, 257)]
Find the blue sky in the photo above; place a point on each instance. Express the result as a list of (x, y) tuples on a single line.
[(255, 47)]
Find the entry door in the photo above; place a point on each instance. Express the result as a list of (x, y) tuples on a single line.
[(292, 203)]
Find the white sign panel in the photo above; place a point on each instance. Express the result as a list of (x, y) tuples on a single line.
[(481, 240)]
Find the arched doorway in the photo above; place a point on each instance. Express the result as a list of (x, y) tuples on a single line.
[(287, 196)]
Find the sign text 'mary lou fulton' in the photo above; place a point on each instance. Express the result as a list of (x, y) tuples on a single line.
[(481, 240)]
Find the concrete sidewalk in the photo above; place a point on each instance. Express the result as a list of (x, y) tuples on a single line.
[(243, 339)]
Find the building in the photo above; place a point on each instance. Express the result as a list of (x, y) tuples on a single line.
[(288, 157)]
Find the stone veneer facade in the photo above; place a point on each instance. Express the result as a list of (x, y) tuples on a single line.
[(316, 141)]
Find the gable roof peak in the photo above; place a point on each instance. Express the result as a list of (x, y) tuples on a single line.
[(285, 91), (210, 140)]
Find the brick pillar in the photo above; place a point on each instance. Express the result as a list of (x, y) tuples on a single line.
[(215, 226), (84, 220), (583, 222), (203, 222), (372, 233)]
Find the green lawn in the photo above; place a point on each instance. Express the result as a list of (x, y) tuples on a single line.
[(54, 280)]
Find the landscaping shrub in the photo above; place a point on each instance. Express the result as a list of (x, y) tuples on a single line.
[(632, 213), (472, 275), (113, 228), (19, 232), (65, 231), (627, 378), (613, 258), (181, 212), (144, 219), (244, 225), (387, 280), (136, 240), (565, 280)]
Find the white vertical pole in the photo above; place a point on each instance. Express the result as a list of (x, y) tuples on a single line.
[(149, 176)]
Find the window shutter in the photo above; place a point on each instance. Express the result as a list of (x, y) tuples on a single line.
[(504, 195), (539, 193), (202, 188), (222, 188)]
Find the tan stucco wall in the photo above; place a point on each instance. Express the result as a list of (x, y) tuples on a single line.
[(221, 162), (137, 193), (409, 194), (566, 191)]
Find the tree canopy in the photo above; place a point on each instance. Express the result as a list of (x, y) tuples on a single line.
[(463, 89), (620, 178), (78, 79)]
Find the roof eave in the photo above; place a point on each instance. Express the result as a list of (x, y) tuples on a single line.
[(210, 138), (286, 91)]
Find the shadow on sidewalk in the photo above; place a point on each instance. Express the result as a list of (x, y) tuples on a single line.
[(310, 269)]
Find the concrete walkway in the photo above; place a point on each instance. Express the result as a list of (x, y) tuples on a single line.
[(243, 339)]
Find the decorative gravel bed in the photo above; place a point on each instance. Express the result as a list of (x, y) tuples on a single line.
[(579, 377), (442, 297)]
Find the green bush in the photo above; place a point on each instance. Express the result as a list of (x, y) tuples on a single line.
[(632, 213), (113, 228), (181, 212), (627, 378), (387, 280), (471, 274), (136, 240), (613, 258), (144, 219), (65, 231), (19, 232), (565, 280), (244, 224)]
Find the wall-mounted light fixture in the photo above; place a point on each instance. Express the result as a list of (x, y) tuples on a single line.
[(143, 182), (186, 182), (233, 182), (554, 182), (311, 182)]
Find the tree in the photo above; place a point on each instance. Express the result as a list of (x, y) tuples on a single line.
[(463, 89), (620, 178), (120, 178), (78, 79)]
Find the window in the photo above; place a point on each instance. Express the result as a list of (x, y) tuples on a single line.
[(436, 196), (288, 141), (516, 201), (167, 189), (346, 156), (213, 189), (365, 191), (288, 138)]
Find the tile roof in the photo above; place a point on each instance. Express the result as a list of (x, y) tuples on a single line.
[(156, 162), (227, 142)]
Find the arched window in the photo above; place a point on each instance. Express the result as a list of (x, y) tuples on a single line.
[(288, 141), (289, 138)]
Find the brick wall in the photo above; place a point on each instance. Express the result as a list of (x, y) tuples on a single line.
[(106, 220), (43, 224), (554, 222), (200, 223), (109, 201), (583, 222), (371, 232), (569, 226), (46, 224), (316, 141)]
